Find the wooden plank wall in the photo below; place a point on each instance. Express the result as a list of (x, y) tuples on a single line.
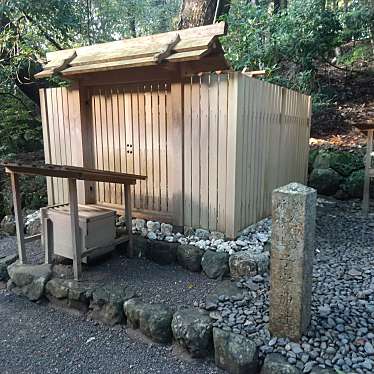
[(205, 150), (242, 138), (273, 125), (131, 127), (56, 112)]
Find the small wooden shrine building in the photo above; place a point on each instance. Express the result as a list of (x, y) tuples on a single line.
[(212, 145)]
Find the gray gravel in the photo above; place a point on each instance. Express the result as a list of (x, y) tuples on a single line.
[(38, 339), (169, 284), (341, 335)]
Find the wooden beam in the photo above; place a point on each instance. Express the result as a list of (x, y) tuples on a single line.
[(366, 193), (32, 238), (74, 226), (18, 218), (176, 184), (128, 218)]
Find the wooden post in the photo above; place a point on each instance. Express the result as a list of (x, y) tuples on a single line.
[(18, 218), (128, 218), (74, 224), (366, 194), (47, 235)]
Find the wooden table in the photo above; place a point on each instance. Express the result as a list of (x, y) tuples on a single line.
[(72, 173)]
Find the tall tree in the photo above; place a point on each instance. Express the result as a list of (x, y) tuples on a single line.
[(201, 12)]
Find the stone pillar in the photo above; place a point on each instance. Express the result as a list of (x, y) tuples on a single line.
[(291, 265)]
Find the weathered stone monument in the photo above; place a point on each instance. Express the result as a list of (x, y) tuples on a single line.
[(291, 265)]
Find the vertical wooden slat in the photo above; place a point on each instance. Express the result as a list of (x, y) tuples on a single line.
[(222, 150), (163, 144), (187, 137), (111, 151), (231, 191), (46, 141), (116, 145), (122, 137), (129, 132), (136, 143), (149, 148), (176, 150), (143, 147), (195, 144), (156, 148), (204, 142), (213, 151)]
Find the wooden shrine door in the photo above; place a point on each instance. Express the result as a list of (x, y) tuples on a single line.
[(131, 126)]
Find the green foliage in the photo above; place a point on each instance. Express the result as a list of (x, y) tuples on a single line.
[(33, 194), (260, 39), (355, 55), (20, 131), (291, 44)]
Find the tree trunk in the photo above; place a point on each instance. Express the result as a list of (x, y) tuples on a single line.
[(201, 12)]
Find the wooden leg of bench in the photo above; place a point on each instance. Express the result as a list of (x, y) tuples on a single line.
[(18, 218), (74, 225), (128, 218), (47, 235)]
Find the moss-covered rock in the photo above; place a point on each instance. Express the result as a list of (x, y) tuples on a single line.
[(354, 184), (325, 181), (322, 160), (346, 162), (313, 153)]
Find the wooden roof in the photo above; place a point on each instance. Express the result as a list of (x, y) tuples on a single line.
[(175, 46), (74, 172)]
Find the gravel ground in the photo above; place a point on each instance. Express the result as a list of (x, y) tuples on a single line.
[(170, 284), (341, 333), (38, 339)]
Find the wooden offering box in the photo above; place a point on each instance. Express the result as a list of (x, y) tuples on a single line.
[(97, 230)]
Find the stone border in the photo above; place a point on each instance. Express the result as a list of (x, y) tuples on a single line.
[(190, 327), (213, 264)]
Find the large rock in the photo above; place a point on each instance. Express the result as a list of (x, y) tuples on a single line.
[(234, 353), (215, 264), (354, 184), (163, 253), (202, 234), (140, 246), (248, 263), (132, 310), (275, 363), (57, 288), (5, 261), (189, 256), (155, 322), (8, 225), (225, 290), (325, 181), (322, 160), (107, 304), (29, 280), (346, 162), (192, 329), (33, 223)]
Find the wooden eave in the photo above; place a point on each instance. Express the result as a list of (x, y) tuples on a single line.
[(171, 47)]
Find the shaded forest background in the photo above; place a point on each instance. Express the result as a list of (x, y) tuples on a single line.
[(324, 48)]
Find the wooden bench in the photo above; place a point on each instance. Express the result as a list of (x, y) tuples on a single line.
[(72, 173)]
